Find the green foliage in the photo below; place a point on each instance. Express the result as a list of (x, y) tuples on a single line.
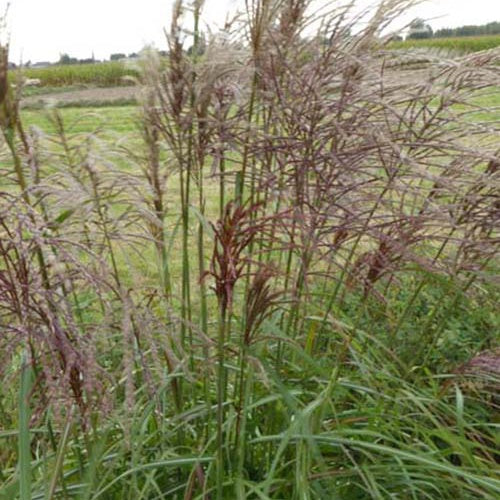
[(118, 56), (419, 30), (107, 74), (66, 59), (492, 28), (458, 44)]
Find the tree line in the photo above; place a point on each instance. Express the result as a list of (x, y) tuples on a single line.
[(420, 30)]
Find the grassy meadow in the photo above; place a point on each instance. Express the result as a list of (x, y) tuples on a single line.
[(86, 120), (275, 277)]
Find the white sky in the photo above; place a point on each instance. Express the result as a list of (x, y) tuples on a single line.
[(43, 29)]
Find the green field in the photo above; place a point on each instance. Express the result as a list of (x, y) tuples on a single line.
[(125, 119), (108, 74), (114, 119), (459, 44)]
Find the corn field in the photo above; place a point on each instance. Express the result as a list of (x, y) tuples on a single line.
[(106, 74)]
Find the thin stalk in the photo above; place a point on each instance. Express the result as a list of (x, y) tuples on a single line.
[(224, 319), (104, 223), (222, 185), (246, 385), (24, 430), (354, 247), (151, 137), (57, 472), (201, 207), (246, 147), (21, 181), (201, 195)]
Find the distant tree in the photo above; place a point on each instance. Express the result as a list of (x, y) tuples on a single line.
[(492, 28), (133, 55), (202, 46), (117, 56), (419, 30), (444, 33), (66, 59)]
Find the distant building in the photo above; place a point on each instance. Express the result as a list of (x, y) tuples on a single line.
[(41, 64)]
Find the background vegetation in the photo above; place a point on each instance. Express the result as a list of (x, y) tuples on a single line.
[(108, 74), (488, 29), (461, 45)]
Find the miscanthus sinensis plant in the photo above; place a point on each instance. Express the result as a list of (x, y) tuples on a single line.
[(283, 286)]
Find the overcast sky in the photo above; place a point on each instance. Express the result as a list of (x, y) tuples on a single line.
[(43, 29)]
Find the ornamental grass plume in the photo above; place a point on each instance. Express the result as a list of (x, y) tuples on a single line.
[(257, 291)]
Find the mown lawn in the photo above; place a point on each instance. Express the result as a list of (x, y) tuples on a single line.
[(122, 119)]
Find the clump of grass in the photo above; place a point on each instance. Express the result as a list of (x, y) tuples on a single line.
[(42, 104), (271, 289)]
